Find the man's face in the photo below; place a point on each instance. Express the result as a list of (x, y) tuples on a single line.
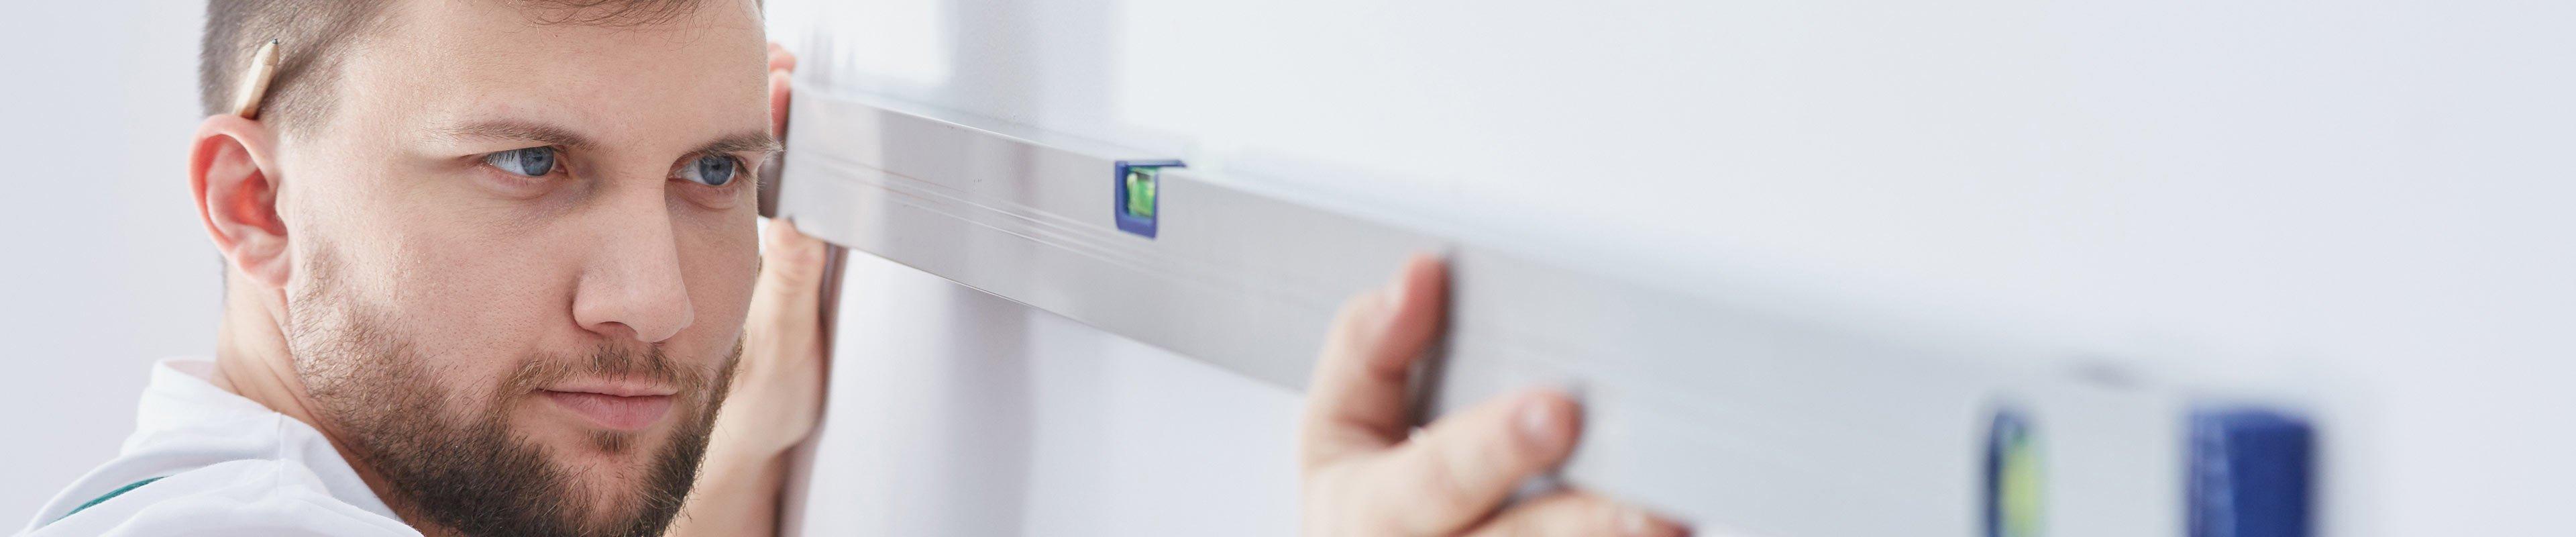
[(518, 340)]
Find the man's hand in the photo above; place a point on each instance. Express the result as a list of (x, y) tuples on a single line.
[(777, 394), (778, 387), (1363, 475)]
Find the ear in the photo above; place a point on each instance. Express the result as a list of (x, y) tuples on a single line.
[(232, 169)]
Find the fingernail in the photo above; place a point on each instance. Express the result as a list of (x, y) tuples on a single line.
[(1541, 425)]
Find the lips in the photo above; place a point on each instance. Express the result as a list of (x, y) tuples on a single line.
[(618, 406), (615, 412)]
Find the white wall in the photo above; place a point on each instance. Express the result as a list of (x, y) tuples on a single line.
[(2375, 190), (105, 267), (2363, 204)]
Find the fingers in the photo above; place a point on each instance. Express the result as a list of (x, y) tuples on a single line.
[(783, 333), (1571, 513), (779, 98), (791, 263), (1458, 469), (1363, 472), (1356, 401), (787, 301), (776, 398), (781, 63), (780, 59)]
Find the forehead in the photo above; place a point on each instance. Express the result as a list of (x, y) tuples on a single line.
[(682, 76)]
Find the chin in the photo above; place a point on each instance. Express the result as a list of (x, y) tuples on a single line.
[(591, 455), (608, 486)]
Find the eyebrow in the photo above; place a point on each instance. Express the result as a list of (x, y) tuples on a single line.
[(518, 130), (742, 142)]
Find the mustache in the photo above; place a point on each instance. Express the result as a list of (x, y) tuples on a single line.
[(609, 361)]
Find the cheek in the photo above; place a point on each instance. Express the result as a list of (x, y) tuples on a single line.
[(482, 304), (476, 330), (370, 356), (721, 265), (474, 386), (463, 276)]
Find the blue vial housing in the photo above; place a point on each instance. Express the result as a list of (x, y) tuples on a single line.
[(2250, 474), (1131, 221)]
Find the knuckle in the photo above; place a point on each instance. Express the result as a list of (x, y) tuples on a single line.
[(1504, 453), (1607, 518), (1355, 310), (794, 264), (1444, 482), (1347, 337)]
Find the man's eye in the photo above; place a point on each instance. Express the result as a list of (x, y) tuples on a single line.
[(532, 162), (711, 170)]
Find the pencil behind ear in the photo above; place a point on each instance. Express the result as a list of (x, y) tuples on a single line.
[(231, 170), (255, 81)]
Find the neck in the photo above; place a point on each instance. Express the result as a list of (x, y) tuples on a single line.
[(251, 356)]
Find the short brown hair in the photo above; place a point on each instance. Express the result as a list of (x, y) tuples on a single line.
[(313, 36)]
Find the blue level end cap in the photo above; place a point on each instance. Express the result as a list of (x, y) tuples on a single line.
[(2251, 474)]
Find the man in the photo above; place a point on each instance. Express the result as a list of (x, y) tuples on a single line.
[(491, 270)]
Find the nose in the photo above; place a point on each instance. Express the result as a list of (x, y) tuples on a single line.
[(631, 287)]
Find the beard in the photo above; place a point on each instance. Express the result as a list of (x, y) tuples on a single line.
[(474, 474)]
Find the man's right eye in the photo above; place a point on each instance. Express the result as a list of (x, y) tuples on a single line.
[(531, 162)]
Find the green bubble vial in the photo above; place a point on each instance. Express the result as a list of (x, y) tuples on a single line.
[(1140, 192)]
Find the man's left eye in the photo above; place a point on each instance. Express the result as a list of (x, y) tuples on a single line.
[(712, 170)]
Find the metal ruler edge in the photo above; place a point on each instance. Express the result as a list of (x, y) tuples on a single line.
[(1716, 415)]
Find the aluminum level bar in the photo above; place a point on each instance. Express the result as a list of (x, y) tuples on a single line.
[(1718, 415)]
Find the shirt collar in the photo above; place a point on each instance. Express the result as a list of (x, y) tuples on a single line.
[(183, 407)]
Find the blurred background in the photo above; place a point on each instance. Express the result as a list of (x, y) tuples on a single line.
[(108, 268), (2363, 206)]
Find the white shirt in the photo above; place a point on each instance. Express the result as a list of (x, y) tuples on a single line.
[(225, 466)]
